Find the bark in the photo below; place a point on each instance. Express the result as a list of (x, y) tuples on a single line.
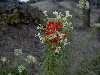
[(86, 17)]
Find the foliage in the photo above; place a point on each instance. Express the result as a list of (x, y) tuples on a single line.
[(16, 66), (86, 59), (19, 15), (12, 18), (55, 59), (55, 37), (92, 67)]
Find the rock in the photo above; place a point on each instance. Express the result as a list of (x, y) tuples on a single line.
[(26, 13), (95, 14), (61, 7), (21, 35)]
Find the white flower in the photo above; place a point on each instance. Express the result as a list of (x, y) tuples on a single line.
[(66, 42), (56, 51), (21, 68), (83, 4), (61, 41), (38, 27), (71, 27), (45, 13), (97, 25), (3, 59), (39, 24), (64, 18), (55, 13), (18, 52), (65, 23), (23, 0), (87, 4), (39, 35), (61, 35), (67, 14), (9, 74), (70, 23), (58, 17), (54, 36), (30, 59), (42, 40), (59, 47)]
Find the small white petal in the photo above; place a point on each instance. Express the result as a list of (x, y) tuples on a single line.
[(45, 12), (55, 13), (57, 51)]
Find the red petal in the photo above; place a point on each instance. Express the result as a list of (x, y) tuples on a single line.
[(49, 32), (65, 35), (58, 25), (54, 48)]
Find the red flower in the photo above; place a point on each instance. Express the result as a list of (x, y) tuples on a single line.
[(53, 48), (49, 32), (51, 40), (58, 25), (46, 38), (64, 35), (50, 25), (54, 40)]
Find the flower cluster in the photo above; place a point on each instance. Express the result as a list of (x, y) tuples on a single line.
[(30, 59), (3, 59), (97, 25), (21, 68), (9, 74), (18, 52), (56, 30), (83, 4)]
